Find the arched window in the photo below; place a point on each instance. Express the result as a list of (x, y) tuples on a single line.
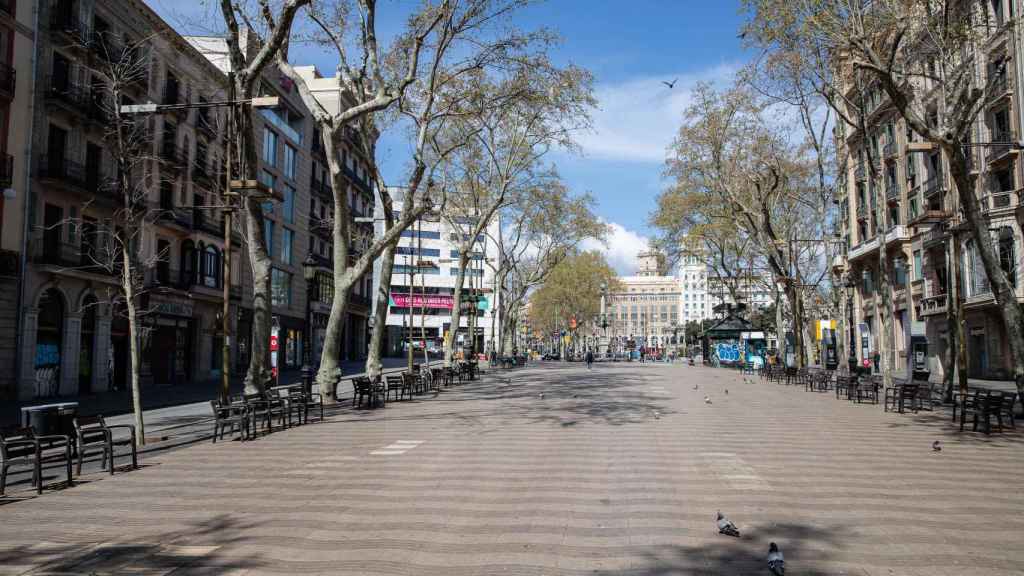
[(211, 267), (188, 263), (1007, 256)]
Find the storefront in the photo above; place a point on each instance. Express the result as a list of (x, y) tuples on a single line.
[(167, 342)]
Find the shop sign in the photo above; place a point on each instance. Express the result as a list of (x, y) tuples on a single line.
[(422, 300), (174, 309)]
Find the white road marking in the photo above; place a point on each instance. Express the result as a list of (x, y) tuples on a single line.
[(737, 474), (397, 447)]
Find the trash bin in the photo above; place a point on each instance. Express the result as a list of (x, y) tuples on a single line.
[(50, 418), (921, 375)]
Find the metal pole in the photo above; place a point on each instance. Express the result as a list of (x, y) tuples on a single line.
[(423, 284), (307, 369), (408, 311), (225, 386)]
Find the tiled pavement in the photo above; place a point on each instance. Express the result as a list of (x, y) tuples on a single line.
[(490, 479)]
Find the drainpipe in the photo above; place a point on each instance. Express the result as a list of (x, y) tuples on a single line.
[(26, 206)]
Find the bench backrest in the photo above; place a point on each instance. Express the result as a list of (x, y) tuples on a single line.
[(86, 423)]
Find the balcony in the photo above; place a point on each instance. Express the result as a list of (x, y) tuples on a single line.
[(65, 172), (205, 126), (169, 215), (1003, 142), (933, 185), (863, 249), (8, 77), (6, 170), (934, 305), (358, 181), (998, 199), (65, 256), (203, 222), (999, 87), (934, 236), (71, 97), (320, 188), (891, 150), (892, 192), (201, 175), (72, 29), (173, 157), (106, 46)]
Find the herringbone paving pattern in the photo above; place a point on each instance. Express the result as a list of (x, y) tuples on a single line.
[(618, 470)]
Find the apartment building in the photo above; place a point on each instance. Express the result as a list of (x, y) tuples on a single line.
[(917, 219), (74, 337), (751, 290), (646, 312), (16, 86), (423, 283)]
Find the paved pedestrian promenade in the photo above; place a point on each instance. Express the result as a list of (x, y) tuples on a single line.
[(618, 470)]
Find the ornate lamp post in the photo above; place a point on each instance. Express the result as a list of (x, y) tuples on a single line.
[(850, 286), (309, 266)]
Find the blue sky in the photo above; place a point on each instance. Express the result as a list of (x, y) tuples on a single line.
[(630, 46)]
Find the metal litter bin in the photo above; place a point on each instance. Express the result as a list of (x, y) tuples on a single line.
[(51, 418)]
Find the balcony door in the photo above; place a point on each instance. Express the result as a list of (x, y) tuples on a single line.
[(56, 150), (93, 161), (52, 217)]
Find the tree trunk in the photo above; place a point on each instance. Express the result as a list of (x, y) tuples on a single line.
[(373, 364), (259, 259), (883, 298), (1013, 316), (952, 322), (449, 341), (256, 378), (133, 336)]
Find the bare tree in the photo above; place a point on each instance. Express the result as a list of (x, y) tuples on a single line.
[(538, 107), (539, 230), (114, 245)]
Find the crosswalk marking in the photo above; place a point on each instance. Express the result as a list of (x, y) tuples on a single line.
[(737, 474), (396, 448)]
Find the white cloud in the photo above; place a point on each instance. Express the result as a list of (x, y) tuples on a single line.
[(637, 119), (623, 246)]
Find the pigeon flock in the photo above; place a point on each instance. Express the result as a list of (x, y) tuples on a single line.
[(776, 563)]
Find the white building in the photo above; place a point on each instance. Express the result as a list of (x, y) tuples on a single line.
[(695, 302), (646, 312), (427, 260)]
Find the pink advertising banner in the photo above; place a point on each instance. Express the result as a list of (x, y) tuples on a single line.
[(422, 300)]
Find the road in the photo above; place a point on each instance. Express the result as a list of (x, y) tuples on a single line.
[(619, 470)]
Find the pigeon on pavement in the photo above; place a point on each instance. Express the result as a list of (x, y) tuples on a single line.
[(776, 564), (656, 415), (725, 526), (541, 395), (707, 400), (695, 386), (726, 391), (937, 446)]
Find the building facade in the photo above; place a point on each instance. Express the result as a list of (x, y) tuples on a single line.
[(71, 333), (696, 293), (16, 106), (423, 284), (915, 219), (646, 312)]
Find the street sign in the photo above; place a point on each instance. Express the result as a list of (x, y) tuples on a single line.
[(138, 108)]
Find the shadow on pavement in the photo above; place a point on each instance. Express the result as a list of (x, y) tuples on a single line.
[(940, 421), (746, 555), (198, 549)]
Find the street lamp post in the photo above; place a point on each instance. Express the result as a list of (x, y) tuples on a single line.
[(850, 286), (309, 273)]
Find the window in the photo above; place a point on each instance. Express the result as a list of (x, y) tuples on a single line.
[(425, 234), (868, 285), (268, 233), (478, 272), (404, 269), (280, 287), (211, 267), (918, 271), (289, 162), (413, 251), (269, 147), (288, 207), (1006, 255), (286, 246)]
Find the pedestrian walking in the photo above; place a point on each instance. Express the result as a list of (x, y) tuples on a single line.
[(590, 359)]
